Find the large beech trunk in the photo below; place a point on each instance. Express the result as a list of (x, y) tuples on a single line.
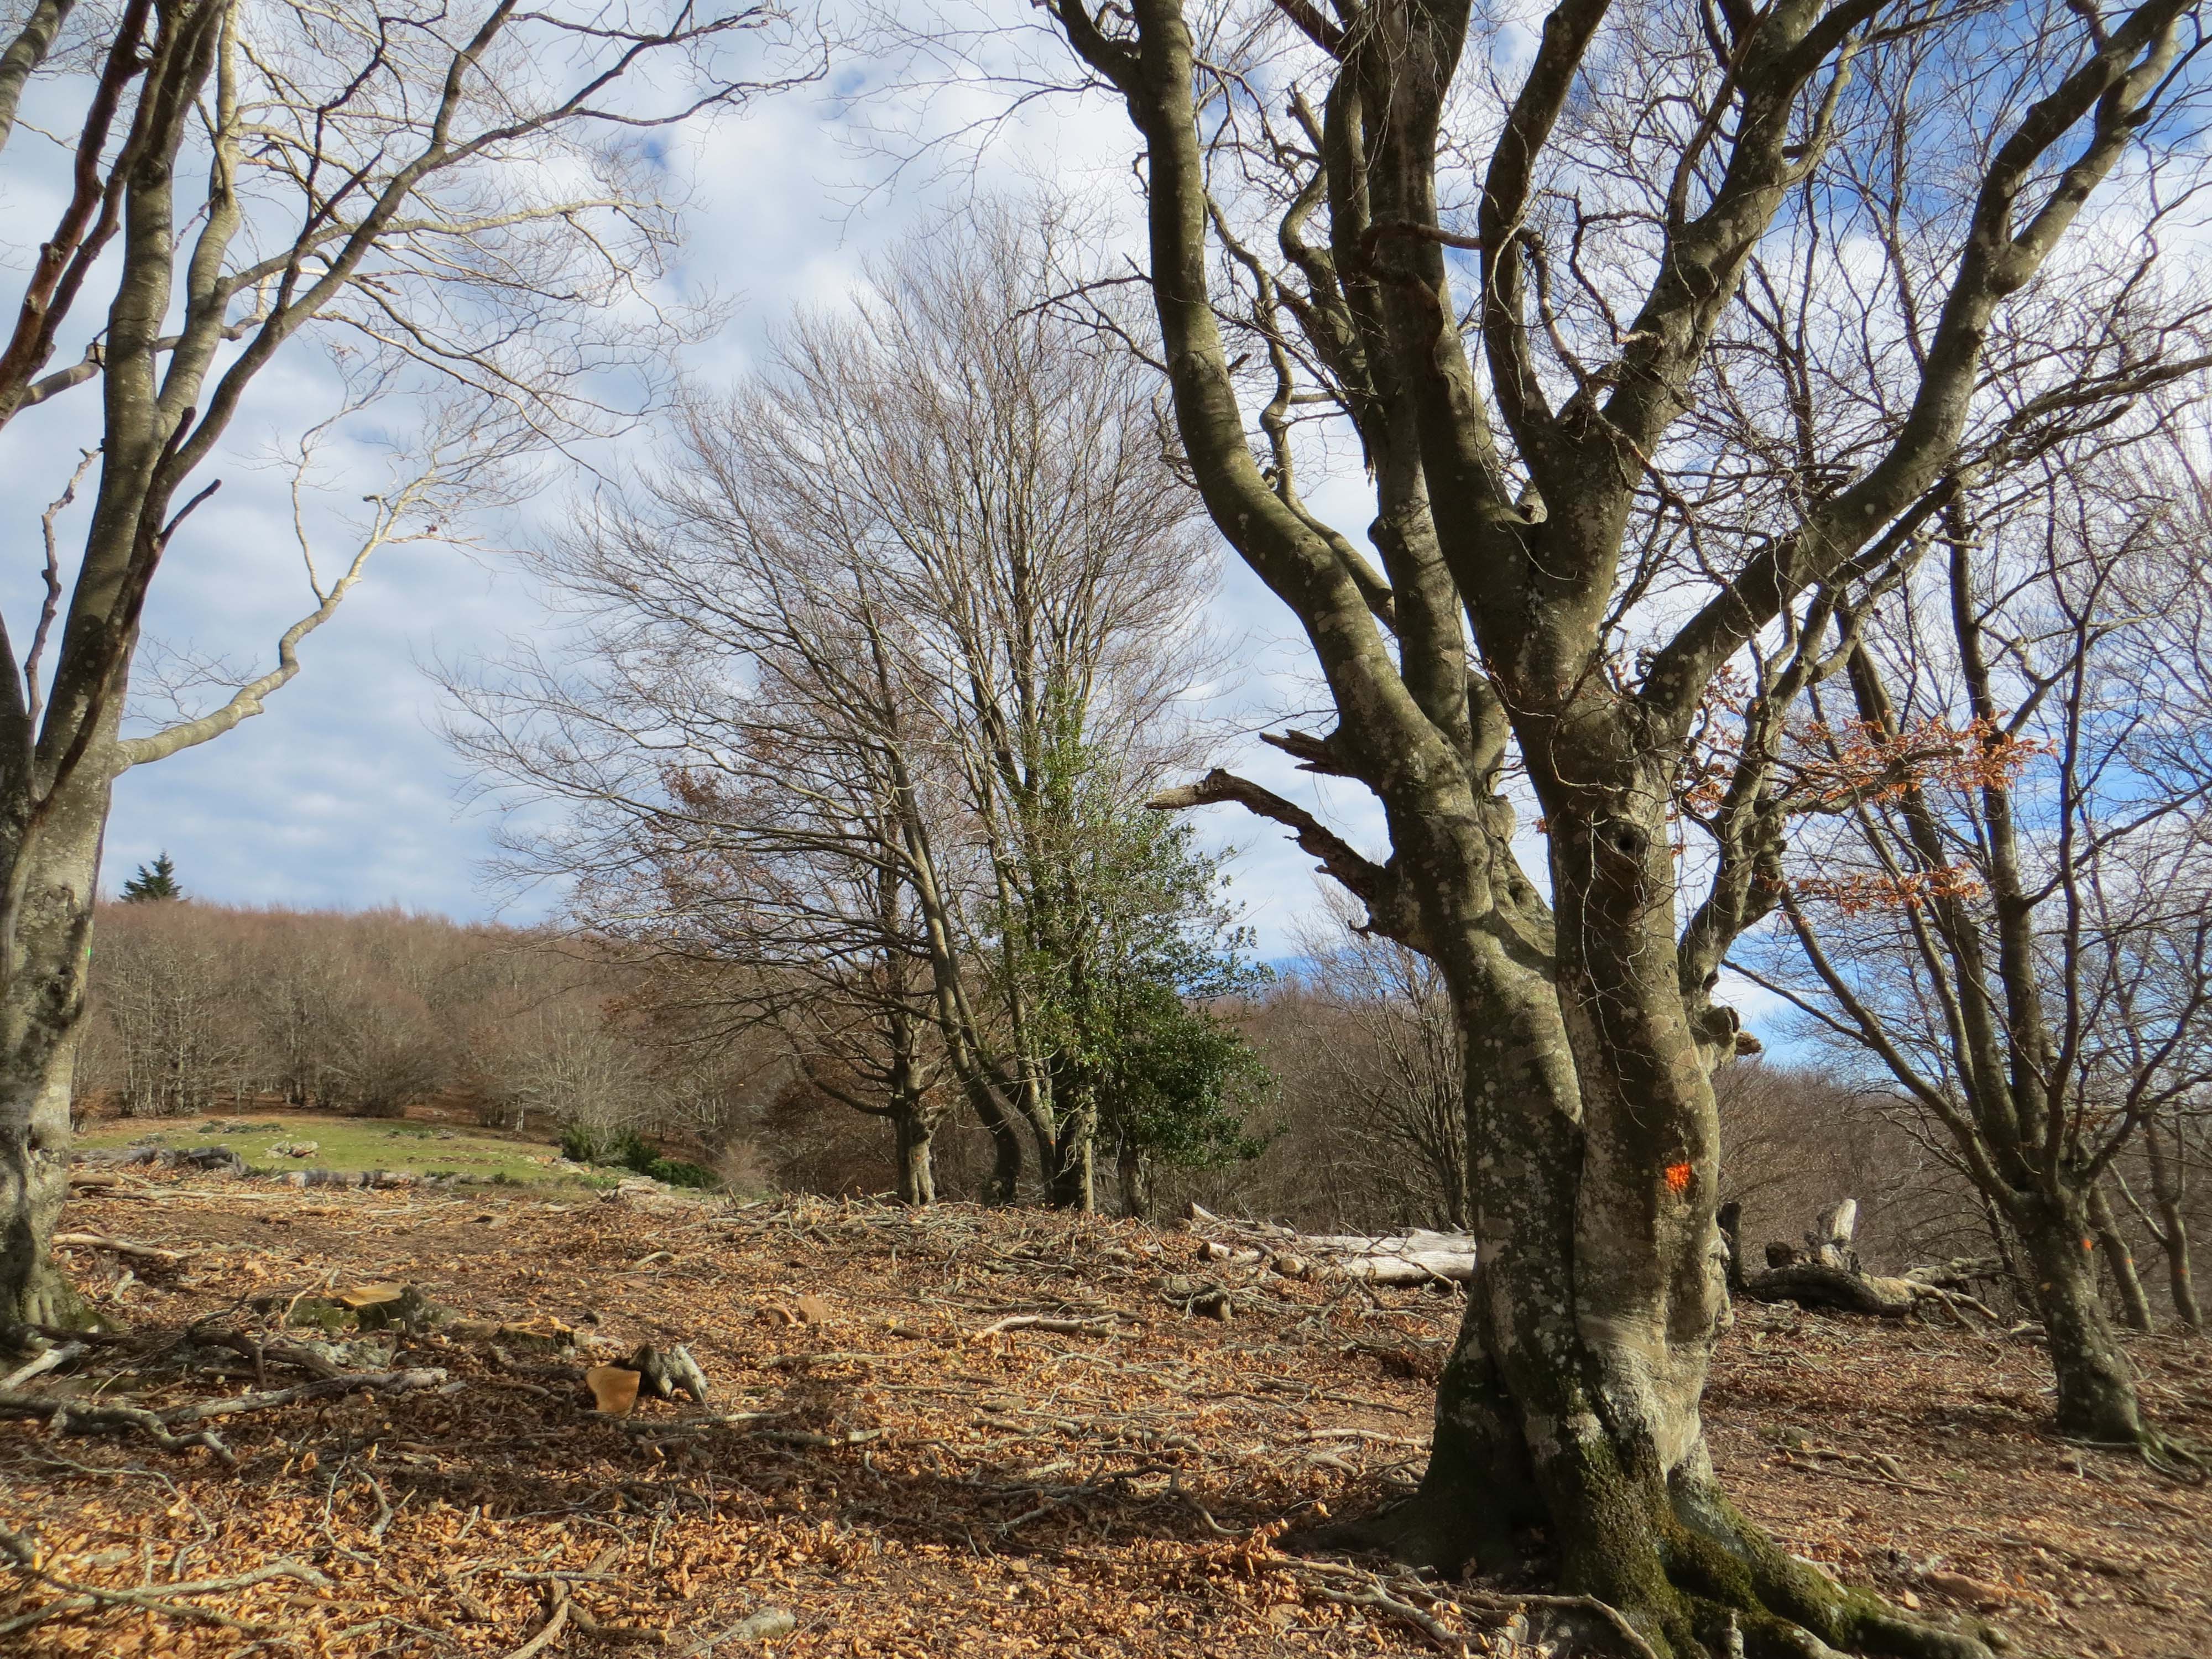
[(2096, 1387), (1568, 1418), (49, 899)]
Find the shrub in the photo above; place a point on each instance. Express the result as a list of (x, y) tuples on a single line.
[(627, 1149)]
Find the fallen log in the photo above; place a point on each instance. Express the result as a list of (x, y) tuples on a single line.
[(1824, 1272), (370, 1178), (214, 1160), (1418, 1257), (1827, 1272)]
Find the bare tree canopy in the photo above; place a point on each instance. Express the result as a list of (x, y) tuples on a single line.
[(867, 684), (2018, 937)]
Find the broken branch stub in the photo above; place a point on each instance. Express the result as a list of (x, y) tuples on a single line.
[(666, 1373)]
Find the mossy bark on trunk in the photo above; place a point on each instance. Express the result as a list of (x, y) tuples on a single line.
[(2096, 1385), (51, 890)]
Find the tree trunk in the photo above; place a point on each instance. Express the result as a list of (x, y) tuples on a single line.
[(2096, 1386), (1571, 1403), (53, 886), (917, 1179), (1074, 1184), (2173, 1238), (2180, 1281), (2135, 1305), (1136, 1174)]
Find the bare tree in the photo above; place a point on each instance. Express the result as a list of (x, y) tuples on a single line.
[(852, 670), (457, 193), (2020, 937), (2166, 1151), (1572, 437)]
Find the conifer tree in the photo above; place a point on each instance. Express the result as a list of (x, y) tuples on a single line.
[(157, 880)]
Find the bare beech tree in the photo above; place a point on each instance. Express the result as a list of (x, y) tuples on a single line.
[(457, 194), (1573, 437), (847, 667), (2021, 938)]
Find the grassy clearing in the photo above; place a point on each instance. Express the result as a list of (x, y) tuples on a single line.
[(343, 1143)]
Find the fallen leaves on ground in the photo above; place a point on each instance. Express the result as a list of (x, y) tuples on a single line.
[(955, 1431)]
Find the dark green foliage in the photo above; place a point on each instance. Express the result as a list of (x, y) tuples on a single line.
[(154, 882), (1176, 1077), (1121, 937), (626, 1149)]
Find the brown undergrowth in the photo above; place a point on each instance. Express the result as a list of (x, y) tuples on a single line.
[(1103, 1474)]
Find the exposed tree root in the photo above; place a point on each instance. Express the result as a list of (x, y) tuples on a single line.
[(49, 1299), (1397, 1595), (2169, 1455), (1713, 1584)]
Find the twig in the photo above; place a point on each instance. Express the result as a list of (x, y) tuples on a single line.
[(1376, 1596), (1473, 1600), (405, 1382), (44, 1362), (77, 1598), (800, 1438), (637, 1635), (1040, 1322), (120, 1247), (70, 1416), (1376, 1436), (549, 1633)]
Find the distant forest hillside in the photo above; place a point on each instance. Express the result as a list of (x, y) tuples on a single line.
[(200, 1009)]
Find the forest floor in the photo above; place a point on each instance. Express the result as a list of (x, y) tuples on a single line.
[(881, 1471)]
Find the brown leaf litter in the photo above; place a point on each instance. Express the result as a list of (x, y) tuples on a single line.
[(952, 1432)]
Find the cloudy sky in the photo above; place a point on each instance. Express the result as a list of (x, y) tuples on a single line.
[(342, 794)]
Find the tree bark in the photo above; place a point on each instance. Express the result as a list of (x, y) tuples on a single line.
[(52, 882), (1074, 1184), (2096, 1385), (1135, 1172), (2174, 1231), (917, 1178), (2135, 1305)]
